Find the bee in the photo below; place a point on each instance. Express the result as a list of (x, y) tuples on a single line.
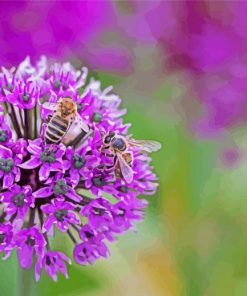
[(119, 147), (65, 124)]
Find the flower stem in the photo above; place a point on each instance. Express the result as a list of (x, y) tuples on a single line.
[(26, 282)]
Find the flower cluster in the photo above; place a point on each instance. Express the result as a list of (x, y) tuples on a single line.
[(63, 186)]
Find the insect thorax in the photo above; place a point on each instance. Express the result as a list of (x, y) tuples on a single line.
[(119, 144), (67, 108)]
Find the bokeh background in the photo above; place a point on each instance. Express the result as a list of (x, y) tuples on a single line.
[(181, 69)]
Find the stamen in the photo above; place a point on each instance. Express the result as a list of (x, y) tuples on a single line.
[(79, 161), (97, 116), (18, 199), (3, 135)]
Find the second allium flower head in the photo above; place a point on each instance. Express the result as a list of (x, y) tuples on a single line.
[(47, 186)]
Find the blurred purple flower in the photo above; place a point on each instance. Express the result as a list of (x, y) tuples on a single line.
[(206, 40), (82, 36)]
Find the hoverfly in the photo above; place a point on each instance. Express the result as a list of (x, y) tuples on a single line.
[(65, 124), (119, 147)]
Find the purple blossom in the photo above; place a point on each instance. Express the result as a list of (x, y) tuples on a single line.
[(29, 241), (6, 238), (88, 252), (46, 184), (59, 187), (24, 95), (18, 200), (42, 156), (80, 162), (85, 22), (9, 172), (53, 263), (19, 147), (209, 45), (5, 134), (60, 213)]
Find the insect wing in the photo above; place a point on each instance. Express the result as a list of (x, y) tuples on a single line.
[(146, 145), (77, 130), (82, 124), (126, 170), (49, 106)]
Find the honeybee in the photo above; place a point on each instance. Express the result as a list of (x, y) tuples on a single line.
[(119, 147), (65, 124)]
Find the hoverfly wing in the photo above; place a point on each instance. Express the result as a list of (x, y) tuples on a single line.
[(126, 170), (146, 145)]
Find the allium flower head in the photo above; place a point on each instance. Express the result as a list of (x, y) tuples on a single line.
[(58, 166)]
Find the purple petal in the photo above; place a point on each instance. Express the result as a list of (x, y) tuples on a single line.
[(8, 180), (18, 175), (48, 223), (38, 267), (32, 163), (56, 166), (72, 195), (74, 176), (48, 208), (44, 172), (25, 256), (64, 257), (43, 192), (63, 226)]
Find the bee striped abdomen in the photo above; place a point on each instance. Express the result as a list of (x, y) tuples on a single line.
[(56, 129)]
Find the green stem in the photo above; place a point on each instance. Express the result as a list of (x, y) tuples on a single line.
[(26, 282)]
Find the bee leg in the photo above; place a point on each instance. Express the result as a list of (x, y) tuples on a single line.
[(102, 150), (109, 155), (50, 148), (109, 167)]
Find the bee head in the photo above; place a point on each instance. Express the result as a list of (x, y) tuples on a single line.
[(109, 137)]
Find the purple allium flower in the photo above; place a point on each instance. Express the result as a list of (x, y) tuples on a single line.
[(86, 23), (48, 158), (24, 95), (88, 252), (29, 241), (6, 238), (59, 212), (18, 200), (75, 183), (9, 171), (53, 263), (209, 45), (5, 133)]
